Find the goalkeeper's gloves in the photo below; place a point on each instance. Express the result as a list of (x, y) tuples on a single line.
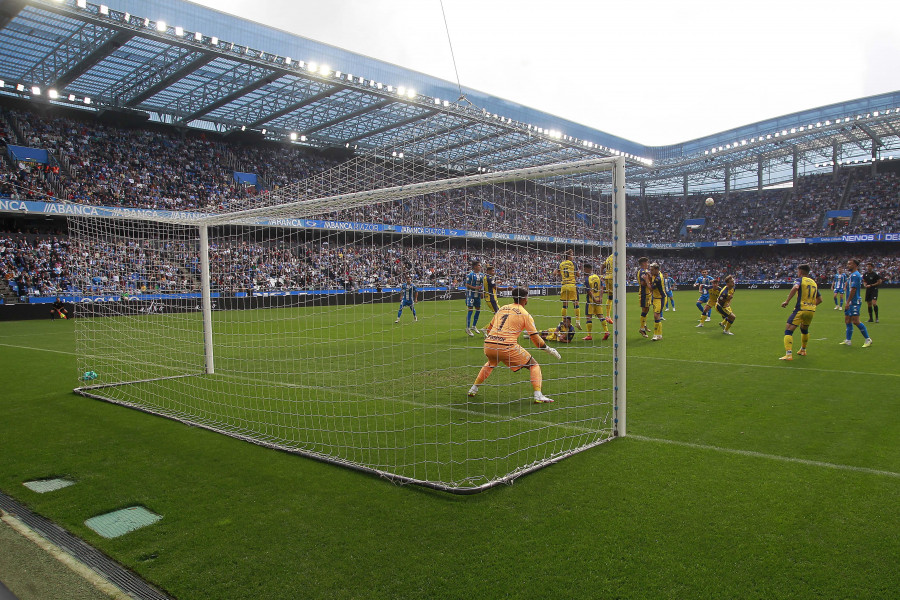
[(552, 352)]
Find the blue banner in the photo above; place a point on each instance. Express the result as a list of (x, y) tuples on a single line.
[(245, 178), (487, 205), (26, 154)]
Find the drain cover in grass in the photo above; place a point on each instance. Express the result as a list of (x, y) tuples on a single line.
[(42, 486), (123, 521)]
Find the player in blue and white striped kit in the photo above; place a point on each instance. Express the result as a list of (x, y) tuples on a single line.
[(409, 295), (670, 292), (704, 282), (852, 291), (474, 290), (837, 286)]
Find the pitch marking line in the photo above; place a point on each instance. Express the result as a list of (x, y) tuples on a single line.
[(38, 349), (715, 362), (753, 454)]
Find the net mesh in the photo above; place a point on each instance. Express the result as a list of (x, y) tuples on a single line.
[(315, 350)]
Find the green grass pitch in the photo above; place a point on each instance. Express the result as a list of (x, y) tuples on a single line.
[(742, 477)]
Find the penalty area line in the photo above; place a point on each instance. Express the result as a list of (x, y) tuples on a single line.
[(780, 366), (38, 349), (754, 454)]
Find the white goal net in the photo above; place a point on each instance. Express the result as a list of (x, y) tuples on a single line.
[(344, 317)]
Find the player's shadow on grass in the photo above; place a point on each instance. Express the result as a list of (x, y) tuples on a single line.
[(514, 407)]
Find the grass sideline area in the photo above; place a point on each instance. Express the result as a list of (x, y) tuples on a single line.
[(743, 477)]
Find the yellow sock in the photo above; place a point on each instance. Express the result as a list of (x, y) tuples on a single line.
[(804, 339), (657, 328), (590, 326), (577, 314), (728, 326), (608, 308), (788, 343), (565, 311), (605, 326), (643, 321)]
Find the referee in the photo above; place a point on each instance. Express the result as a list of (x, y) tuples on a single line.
[(872, 280)]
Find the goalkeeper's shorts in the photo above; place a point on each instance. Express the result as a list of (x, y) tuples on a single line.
[(515, 357)]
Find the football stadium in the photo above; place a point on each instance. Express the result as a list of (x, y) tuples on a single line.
[(281, 320)]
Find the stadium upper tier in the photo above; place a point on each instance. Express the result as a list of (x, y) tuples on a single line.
[(184, 64), (161, 167)]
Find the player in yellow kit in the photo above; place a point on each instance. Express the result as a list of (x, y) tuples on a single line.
[(643, 278), (723, 305), (501, 344), (657, 298), (569, 290), (594, 304), (606, 270), (808, 298)]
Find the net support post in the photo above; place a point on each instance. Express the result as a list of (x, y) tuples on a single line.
[(619, 282), (206, 301)]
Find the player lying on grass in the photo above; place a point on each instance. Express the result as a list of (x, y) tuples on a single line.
[(808, 298), (564, 332), (501, 344)]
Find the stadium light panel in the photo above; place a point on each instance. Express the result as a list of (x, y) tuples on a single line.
[(401, 90), (287, 61), (337, 74), (400, 155), (243, 128), (2, 83), (179, 31), (324, 70), (411, 93), (303, 139), (20, 88), (87, 100), (127, 18), (312, 67), (71, 97), (379, 86), (264, 132), (293, 136), (161, 26), (104, 10), (437, 101), (875, 114), (214, 41), (198, 36), (446, 103), (52, 94), (81, 3), (35, 90)]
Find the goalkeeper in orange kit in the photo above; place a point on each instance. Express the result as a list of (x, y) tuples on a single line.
[(501, 344)]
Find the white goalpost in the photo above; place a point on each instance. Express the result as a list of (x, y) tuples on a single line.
[(281, 320)]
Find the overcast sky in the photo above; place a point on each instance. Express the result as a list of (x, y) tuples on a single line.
[(654, 72)]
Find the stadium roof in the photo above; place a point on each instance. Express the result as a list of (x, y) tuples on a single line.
[(192, 66)]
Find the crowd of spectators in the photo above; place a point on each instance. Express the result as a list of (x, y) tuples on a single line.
[(159, 167), (47, 265)]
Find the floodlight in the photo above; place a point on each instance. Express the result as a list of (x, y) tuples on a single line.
[(875, 114), (87, 100), (401, 90), (446, 103), (324, 70), (243, 128), (104, 10), (71, 97), (437, 101), (81, 3), (198, 36), (337, 74), (53, 94), (379, 86), (394, 153), (302, 138), (264, 132), (127, 17), (2, 83), (35, 90), (179, 31), (214, 41), (287, 61), (411, 93), (20, 88), (293, 136), (161, 26), (400, 155), (312, 67)]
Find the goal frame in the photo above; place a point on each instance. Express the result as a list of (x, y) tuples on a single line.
[(307, 207)]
